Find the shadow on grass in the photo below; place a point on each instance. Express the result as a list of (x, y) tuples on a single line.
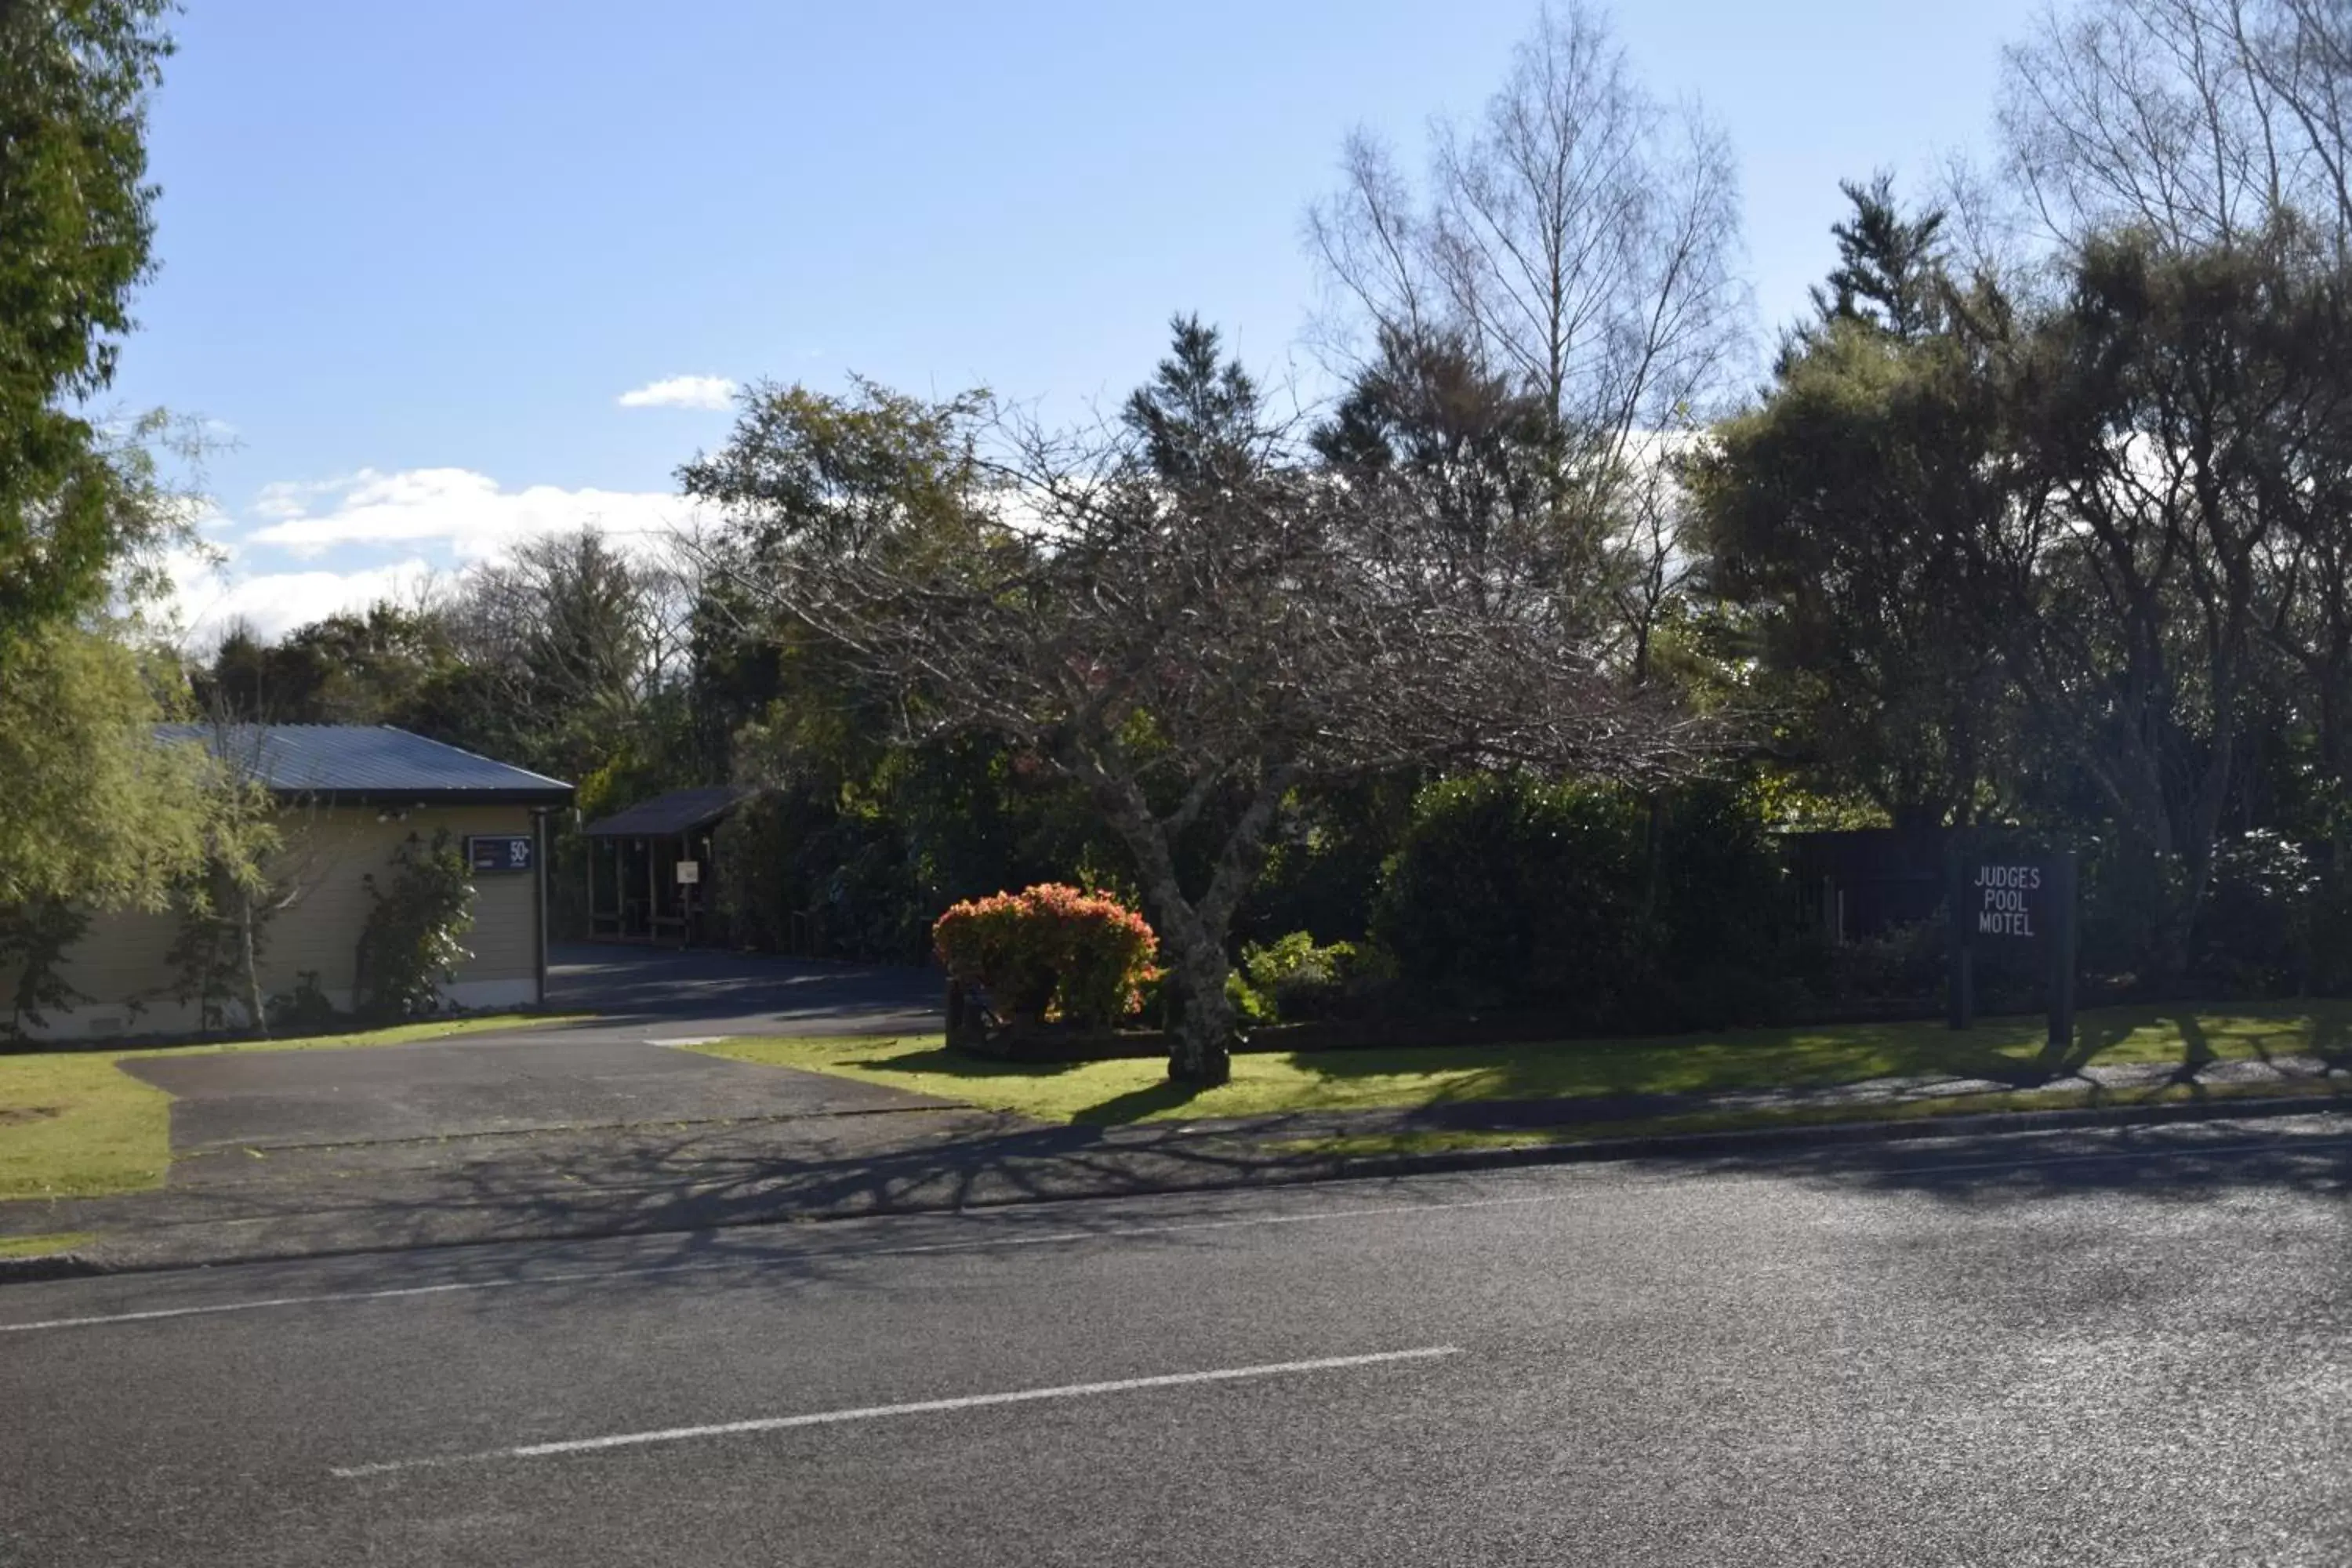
[(1728, 1060), (2331, 1038), (1643, 1076), (1117, 1110), (947, 1062), (1135, 1104), (2197, 1051)]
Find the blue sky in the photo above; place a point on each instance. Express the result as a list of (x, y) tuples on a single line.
[(414, 257)]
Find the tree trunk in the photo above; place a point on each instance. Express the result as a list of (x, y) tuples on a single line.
[(256, 1011), (1202, 1034)]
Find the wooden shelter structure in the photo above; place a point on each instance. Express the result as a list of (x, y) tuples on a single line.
[(1865, 882), (649, 866)]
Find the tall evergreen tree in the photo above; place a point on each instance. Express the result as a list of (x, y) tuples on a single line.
[(1200, 418), (1890, 270)]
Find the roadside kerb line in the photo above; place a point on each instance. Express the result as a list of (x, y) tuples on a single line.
[(878, 1411), (975, 1244), (1066, 1238)]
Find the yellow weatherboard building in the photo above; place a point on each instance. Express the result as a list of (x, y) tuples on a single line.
[(349, 796)]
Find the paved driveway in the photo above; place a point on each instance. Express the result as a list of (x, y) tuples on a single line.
[(743, 993), (611, 1071)]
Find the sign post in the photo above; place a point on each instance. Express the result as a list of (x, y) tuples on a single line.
[(2023, 897), (2064, 878), (689, 885), (1959, 981)]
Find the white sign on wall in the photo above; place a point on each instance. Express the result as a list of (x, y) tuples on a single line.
[(688, 873)]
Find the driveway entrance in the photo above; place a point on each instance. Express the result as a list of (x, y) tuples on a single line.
[(612, 1070), (743, 993)]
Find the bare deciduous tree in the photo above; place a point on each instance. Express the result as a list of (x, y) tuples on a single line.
[(569, 625), (2202, 122), (1190, 649), (1581, 238)]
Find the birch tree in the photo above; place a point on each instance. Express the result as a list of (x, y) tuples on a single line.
[(1581, 238)]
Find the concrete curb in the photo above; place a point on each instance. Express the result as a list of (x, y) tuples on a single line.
[(1307, 1169), (52, 1265)]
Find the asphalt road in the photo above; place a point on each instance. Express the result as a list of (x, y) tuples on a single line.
[(2122, 1348)]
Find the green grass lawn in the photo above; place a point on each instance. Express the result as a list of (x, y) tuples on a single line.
[(392, 1035), (1432, 1141), (72, 1125), (44, 1245), (1135, 1090)]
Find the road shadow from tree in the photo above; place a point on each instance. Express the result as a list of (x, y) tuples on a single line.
[(2182, 1161), (612, 1182), (745, 1221)]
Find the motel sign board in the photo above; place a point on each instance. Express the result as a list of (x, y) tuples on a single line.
[(2006, 896), (2012, 898)]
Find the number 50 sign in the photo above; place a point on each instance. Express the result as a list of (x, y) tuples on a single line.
[(496, 853)]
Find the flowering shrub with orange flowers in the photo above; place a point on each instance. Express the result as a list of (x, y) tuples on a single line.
[(1050, 950)]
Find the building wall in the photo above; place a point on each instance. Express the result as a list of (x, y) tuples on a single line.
[(328, 853)]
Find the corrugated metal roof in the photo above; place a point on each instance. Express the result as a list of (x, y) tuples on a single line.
[(667, 816), (369, 761)]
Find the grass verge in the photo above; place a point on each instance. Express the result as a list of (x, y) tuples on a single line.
[(2008, 1050), (44, 1245), (389, 1035), (72, 1125), (1441, 1141)]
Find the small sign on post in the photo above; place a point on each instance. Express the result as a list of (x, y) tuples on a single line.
[(2007, 899), (689, 872)]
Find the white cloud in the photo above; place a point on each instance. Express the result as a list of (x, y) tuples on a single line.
[(469, 514), (343, 544), (681, 391), (292, 498), (206, 599)]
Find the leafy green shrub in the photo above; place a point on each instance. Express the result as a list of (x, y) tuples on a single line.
[(414, 936), (1723, 904), (1251, 1005), (1510, 890), (1293, 980), (303, 1008), (1323, 861), (798, 872), (2327, 936), (1609, 908), (1907, 961), (2125, 891), (1049, 950), (2253, 933)]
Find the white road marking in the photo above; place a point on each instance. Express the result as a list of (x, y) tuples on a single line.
[(445, 1290), (1059, 1237), (1064, 1238), (876, 1412), (689, 1040)]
